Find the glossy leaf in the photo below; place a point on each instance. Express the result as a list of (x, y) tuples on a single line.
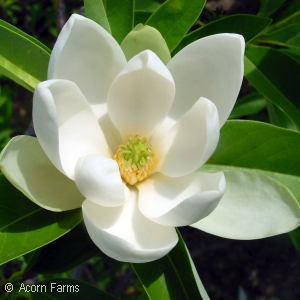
[(4, 296), (63, 254), (94, 10), (286, 40), (279, 118), (246, 25), (267, 7), (201, 288), (22, 58), (295, 40), (273, 75), (285, 33), (146, 5), (286, 17), (17, 75), (141, 17), (260, 161), (295, 237), (120, 12), (293, 53), (258, 146), (69, 289), (25, 35), (171, 277), (174, 18), (288, 9), (248, 105), (25, 226)]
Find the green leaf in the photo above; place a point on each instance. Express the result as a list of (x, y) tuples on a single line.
[(295, 237), (174, 18), (17, 75), (289, 8), (4, 296), (274, 75), (25, 226), (267, 7), (141, 17), (171, 277), (94, 10), (248, 105), (201, 288), (246, 25), (263, 181), (65, 253), (68, 289), (258, 146), (279, 118), (295, 40), (22, 58), (289, 17), (120, 17), (286, 41), (284, 34), (146, 5), (25, 35), (293, 53)]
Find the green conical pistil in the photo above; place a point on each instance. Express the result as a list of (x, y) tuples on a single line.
[(136, 151)]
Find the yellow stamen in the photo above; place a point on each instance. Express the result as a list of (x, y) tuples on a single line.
[(134, 159)]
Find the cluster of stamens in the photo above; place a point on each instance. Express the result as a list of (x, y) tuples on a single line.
[(134, 159)]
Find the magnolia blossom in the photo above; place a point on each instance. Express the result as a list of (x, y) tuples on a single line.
[(124, 140)]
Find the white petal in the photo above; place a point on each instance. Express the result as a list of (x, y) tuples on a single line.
[(141, 96), (189, 143), (65, 124), (180, 201), (211, 67), (254, 206), (26, 166), (111, 133), (88, 55), (124, 234), (98, 179)]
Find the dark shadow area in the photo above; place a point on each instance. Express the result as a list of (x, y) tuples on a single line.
[(265, 269)]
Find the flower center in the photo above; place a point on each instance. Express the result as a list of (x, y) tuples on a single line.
[(134, 159)]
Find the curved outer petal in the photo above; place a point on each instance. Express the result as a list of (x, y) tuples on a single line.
[(189, 143), (211, 67), (180, 201), (27, 167), (65, 125), (141, 96), (124, 234), (98, 179), (88, 55)]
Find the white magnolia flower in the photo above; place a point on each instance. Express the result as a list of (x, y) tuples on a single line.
[(131, 135)]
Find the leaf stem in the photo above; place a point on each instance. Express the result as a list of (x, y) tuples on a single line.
[(282, 22), (276, 43), (199, 22)]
